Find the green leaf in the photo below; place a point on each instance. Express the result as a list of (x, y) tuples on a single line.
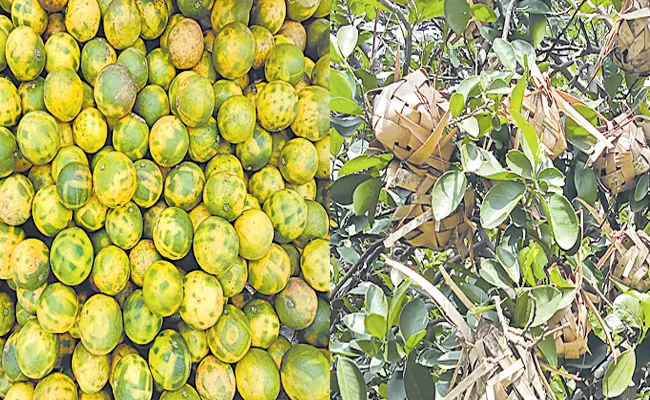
[(345, 106), (340, 84), (447, 193), (619, 374), (352, 386), (530, 142), (493, 273), (343, 188), (413, 318), (483, 13), (377, 4), (470, 125), (536, 29), (525, 53), (533, 263), (562, 219), (523, 310), (396, 301), (347, 40), (548, 348), (418, 381), (457, 15), (499, 203), (586, 184), (365, 162), (534, 7), (641, 189), (510, 262), (428, 9), (552, 176), (519, 164), (517, 97), (356, 323), (375, 325), (547, 301), (506, 54), (456, 104), (376, 301), (335, 52), (336, 142), (470, 157), (628, 308)]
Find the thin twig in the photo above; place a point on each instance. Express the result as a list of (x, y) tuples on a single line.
[(566, 27), (409, 32), (374, 247), (506, 25), (593, 308)]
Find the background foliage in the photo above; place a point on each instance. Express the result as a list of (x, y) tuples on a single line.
[(389, 340)]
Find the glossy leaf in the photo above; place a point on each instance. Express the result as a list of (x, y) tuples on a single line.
[(418, 381), (347, 40), (483, 13), (506, 54), (457, 15), (530, 141), (448, 193), (413, 318), (345, 106), (343, 188), (499, 203), (563, 220), (641, 189), (586, 184), (364, 162), (519, 164), (547, 301), (619, 374), (351, 384)]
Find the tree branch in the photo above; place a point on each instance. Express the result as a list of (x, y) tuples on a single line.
[(506, 25), (408, 51)]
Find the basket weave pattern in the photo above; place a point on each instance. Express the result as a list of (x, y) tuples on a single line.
[(618, 168), (571, 341), (632, 258), (410, 120), (631, 51)]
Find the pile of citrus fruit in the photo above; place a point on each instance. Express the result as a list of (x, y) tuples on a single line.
[(164, 172)]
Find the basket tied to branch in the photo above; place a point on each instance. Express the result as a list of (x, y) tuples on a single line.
[(571, 339), (629, 40), (630, 258), (541, 110), (410, 119), (500, 369), (618, 168), (414, 220)]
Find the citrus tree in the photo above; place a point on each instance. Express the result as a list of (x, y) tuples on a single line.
[(489, 199)]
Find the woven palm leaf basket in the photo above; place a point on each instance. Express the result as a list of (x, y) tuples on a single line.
[(573, 327), (630, 38), (629, 258), (410, 120), (499, 369), (618, 168), (423, 230), (540, 108)]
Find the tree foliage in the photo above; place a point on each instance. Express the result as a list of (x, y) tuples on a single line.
[(550, 231)]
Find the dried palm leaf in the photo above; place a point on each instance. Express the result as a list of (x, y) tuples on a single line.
[(410, 120), (631, 33), (630, 258), (573, 327), (414, 220), (618, 168)]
